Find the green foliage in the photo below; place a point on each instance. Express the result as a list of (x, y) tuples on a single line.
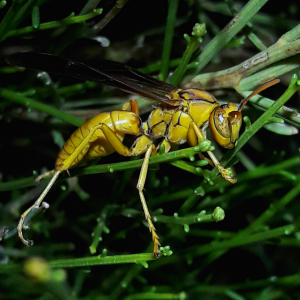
[(219, 241)]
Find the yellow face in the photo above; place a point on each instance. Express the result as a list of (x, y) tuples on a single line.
[(225, 123)]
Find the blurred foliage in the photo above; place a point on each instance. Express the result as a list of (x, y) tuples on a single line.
[(92, 243)]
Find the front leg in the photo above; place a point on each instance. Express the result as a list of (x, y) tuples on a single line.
[(195, 134), (133, 106)]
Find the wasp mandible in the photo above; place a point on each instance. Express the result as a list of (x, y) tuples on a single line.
[(182, 117)]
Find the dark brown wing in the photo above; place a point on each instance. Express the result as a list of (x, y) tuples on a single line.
[(107, 72)]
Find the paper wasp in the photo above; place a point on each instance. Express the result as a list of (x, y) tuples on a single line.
[(183, 116)]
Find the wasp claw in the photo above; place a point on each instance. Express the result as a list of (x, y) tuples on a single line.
[(156, 254), (40, 177), (45, 205)]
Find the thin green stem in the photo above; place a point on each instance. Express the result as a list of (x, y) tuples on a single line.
[(242, 240), (89, 6), (109, 16), (257, 224), (256, 42), (130, 275), (290, 281), (99, 260), (232, 77), (55, 24), (268, 73), (270, 212), (171, 18), (198, 218), (14, 16), (89, 261), (198, 31), (251, 36), (179, 72), (223, 37), (157, 296), (19, 98), (104, 168)]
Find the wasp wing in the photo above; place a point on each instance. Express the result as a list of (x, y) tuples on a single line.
[(39, 61), (107, 72), (125, 78)]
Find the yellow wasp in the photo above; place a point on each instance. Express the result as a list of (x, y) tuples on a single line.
[(182, 117)]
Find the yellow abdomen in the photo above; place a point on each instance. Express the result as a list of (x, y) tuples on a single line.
[(97, 146)]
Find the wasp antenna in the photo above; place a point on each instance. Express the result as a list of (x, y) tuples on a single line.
[(262, 88), (234, 117)]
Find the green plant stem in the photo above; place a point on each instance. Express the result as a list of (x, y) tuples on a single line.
[(89, 261), (163, 296), (109, 16), (287, 46), (135, 164), (246, 161), (232, 77), (17, 184), (263, 171), (213, 234), (224, 36), (130, 275), (172, 12), (54, 24), (257, 224), (251, 36), (14, 16), (100, 227), (192, 199), (242, 240), (258, 172), (184, 166), (198, 31), (273, 208), (98, 260), (3, 3), (183, 193), (290, 36), (89, 6), (179, 72), (35, 17), (19, 98), (157, 66), (291, 116), (291, 280), (198, 218), (256, 42)]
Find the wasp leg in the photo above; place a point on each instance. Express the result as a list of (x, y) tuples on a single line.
[(142, 145), (36, 205), (194, 132), (133, 105), (62, 167), (40, 177), (202, 157), (140, 186), (193, 141)]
